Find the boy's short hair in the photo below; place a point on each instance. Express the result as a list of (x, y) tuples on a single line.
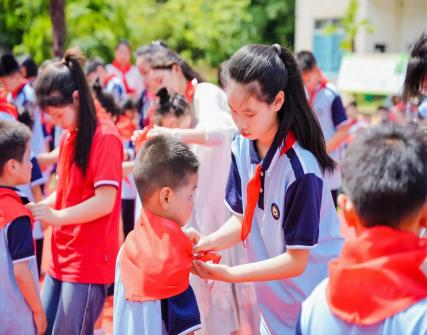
[(306, 61), (163, 162), (13, 139), (8, 65), (384, 174), (93, 64)]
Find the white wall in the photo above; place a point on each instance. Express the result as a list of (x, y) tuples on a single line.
[(396, 22)]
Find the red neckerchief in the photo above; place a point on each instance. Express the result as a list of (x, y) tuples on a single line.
[(142, 138), (17, 90), (11, 207), (8, 108), (107, 79), (156, 259), (190, 89), (124, 69), (254, 187), (377, 275), (66, 160), (320, 86)]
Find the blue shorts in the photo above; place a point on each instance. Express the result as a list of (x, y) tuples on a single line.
[(180, 313)]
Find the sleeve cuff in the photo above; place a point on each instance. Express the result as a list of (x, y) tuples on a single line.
[(234, 211), (114, 183)]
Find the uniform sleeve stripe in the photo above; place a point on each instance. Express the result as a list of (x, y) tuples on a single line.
[(300, 246), (232, 210), (20, 260), (191, 329), (107, 182)]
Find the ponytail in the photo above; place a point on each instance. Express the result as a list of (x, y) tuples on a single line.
[(275, 69), (105, 99), (55, 87)]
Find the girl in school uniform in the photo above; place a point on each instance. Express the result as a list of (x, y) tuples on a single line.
[(283, 208), (84, 211), (209, 129)]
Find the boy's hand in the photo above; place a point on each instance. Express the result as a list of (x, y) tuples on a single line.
[(200, 242), (45, 214), (213, 271), (40, 321)]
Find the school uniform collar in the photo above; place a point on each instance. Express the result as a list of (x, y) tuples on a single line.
[(18, 90), (10, 188), (266, 162)]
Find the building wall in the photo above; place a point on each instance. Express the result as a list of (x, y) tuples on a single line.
[(396, 22)]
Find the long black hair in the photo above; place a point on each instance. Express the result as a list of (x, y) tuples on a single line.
[(165, 58), (55, 87), (269, 70), (416, 71)]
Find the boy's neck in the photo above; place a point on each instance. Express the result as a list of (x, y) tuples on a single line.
[(7, 181)]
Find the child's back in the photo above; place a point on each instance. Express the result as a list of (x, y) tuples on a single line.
[(377, 286)]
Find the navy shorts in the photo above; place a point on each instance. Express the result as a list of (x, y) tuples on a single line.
[(180, 313)]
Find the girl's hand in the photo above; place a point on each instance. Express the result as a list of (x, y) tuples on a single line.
[(45, 214), (213, 271), (158, 131), (200, 242), (40, 321)]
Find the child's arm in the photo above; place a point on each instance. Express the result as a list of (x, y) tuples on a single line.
[(225, 237), (101, 204), (26, 285), (292, 263)]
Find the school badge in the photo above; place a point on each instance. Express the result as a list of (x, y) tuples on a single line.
[(275, 211)]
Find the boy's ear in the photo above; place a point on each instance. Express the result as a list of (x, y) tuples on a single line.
[(165, 196), (76, 95), (348, 210)]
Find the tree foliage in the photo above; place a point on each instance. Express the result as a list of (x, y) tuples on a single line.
[(203, 31)]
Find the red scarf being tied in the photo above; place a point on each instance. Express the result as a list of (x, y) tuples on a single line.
[(156, 259), (377, 275), (124, 69)]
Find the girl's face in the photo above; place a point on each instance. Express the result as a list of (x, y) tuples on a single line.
[(253, 117), (166, 78), (123, 54), (64, 116)]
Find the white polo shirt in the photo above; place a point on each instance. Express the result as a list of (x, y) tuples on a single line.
[(330, 111), (295, 211), (317, 319)]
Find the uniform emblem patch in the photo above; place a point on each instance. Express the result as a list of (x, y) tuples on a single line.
[(275, 211)]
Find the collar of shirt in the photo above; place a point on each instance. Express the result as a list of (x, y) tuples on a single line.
[(18, 90)]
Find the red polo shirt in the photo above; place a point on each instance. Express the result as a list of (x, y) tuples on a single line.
[(86, 253)]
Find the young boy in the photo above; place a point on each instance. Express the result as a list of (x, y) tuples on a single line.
[(21, 311), (152, 291), (329, 109), (376, 286)]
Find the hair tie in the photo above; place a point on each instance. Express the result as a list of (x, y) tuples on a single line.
[(278, 48)]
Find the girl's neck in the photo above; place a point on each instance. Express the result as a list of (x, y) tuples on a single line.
[(264, 143), (182, 85)]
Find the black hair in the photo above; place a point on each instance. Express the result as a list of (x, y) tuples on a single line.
[(14, 137), (384, 174), (306, 61), (175, 104), (93, 64), (30, 66), (166, 58), (416, 70), (148, 50), (106, 99), (163, 162), (267, 70), (55, 87), (124, 42), (127, 104), (8, 65)]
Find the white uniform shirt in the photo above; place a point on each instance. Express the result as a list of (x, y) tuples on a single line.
[(295, 211)]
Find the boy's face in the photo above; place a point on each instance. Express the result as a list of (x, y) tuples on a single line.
[(182, 200), (9, 82), (22, 170)]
